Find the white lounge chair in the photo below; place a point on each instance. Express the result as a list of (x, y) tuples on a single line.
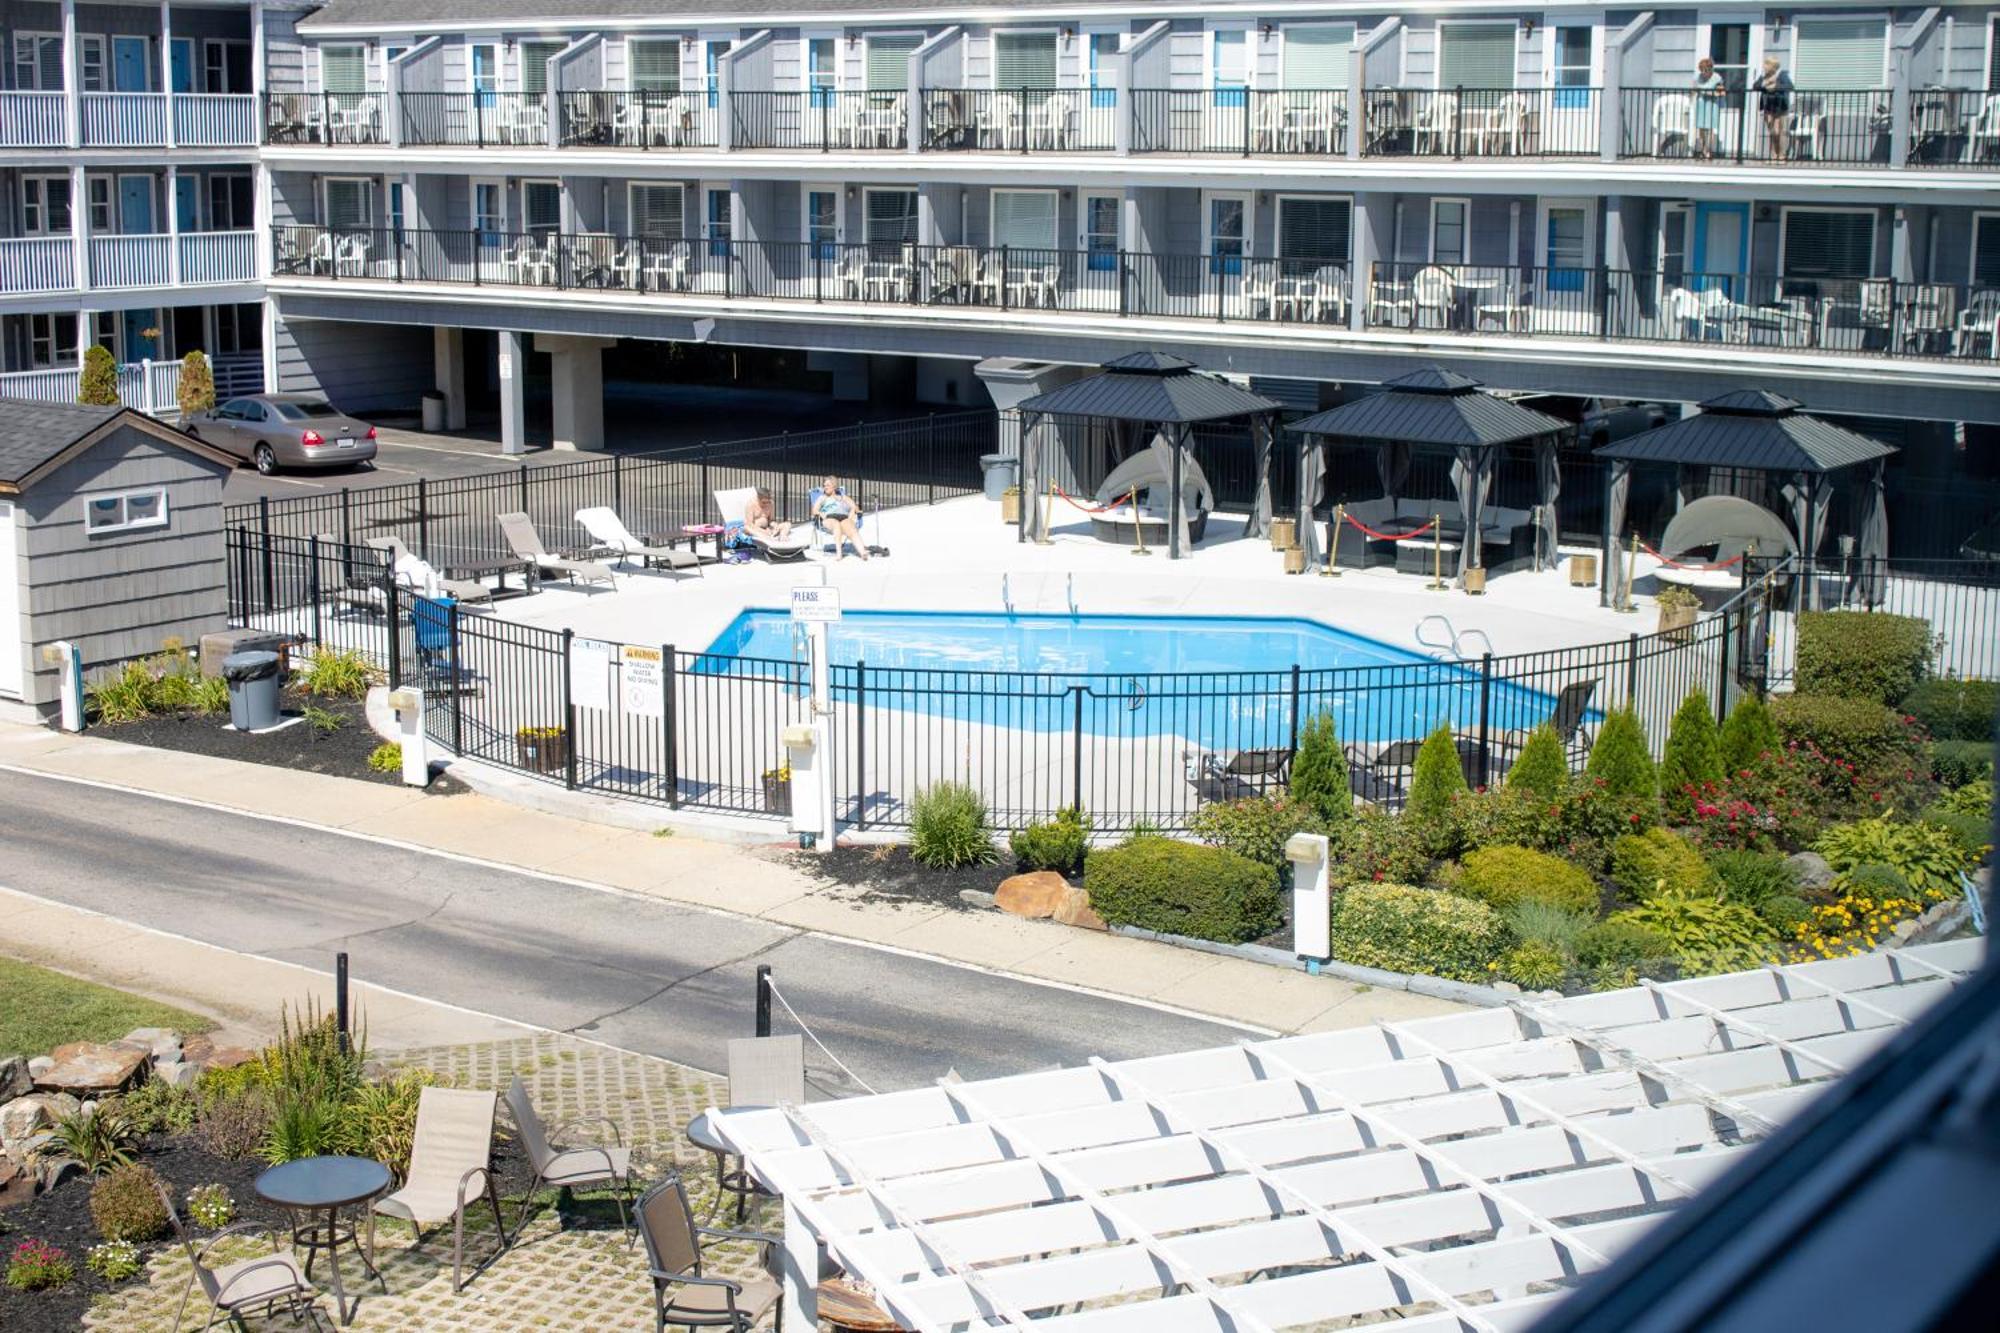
[(526, 544), (733, 504), (414, 574), (607, 529)]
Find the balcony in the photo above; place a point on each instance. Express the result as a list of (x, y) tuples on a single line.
[(475, 119), (1025, 120), (36, 264), (324, 118), (215, 120), (1482, 122), (1290, 121), (31, 264), (147, 386), (641, 120), (821, 120), (218, 257), (1850, 127), (32, 120)]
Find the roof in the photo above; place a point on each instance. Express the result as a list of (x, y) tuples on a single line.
[(1451, 1173), (1150, 387), (1755, 430), (338, 15), (1432, 407), (36, 437)]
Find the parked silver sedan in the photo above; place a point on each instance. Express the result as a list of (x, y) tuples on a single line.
[(278, 430)]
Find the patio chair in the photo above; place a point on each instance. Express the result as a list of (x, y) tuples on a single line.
[(1238, 773), (1436, 123), (824, 534), (607, 529), (1432, 292), (1982, 133), (763, 1071), (437, 648), (259, 1283), (568, 1168), (733, 504), (1975, 323), (1673, 118), (1379, 778), (526, 544), (416, 574), (683, 1294), (453, 1144), (1572, 704)]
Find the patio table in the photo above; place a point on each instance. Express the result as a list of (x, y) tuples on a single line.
[(497, 570), (325, 1185), (738, 1182), (693, 534)]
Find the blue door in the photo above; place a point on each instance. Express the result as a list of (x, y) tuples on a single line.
[(142, 334), (128, 65), (183, 65), (485, 75), (186, 215), (718, 223), (1721, 246), (135, 205)]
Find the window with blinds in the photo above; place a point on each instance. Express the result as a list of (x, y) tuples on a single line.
[(1829, 244), (350, 202), (657, 212), (1992, 55), (1475, 55), (891, 216), (1839, 53), (1313, 229), (535, 57), (1316, 57), (541, 205), (38, 62), (1986, 250), (888, 64), (653, 65), (1024, 60), (1024, 219), (343, 69)]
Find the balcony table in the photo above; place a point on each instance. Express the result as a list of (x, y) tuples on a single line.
[(314, 1185)]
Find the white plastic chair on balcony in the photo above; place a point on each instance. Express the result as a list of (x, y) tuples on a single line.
[(534, 263), (1032, 285), (879, 123), (1391, 305), (1434, 125), (353, 121), (319, 259), (1314, 122), (1267, 129), (1501, 127), (1806, 142), (524, 120), (1050, 123), (623, 270), (986, 282), (1975, 324), (1330, 293), (1005, 123), (351, 255), (1259, 291), (1673, 118), (1432, 291), (667, 269), (1982, 132), (1511, 306)]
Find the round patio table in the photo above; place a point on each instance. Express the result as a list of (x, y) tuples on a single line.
[(738, 1182), (325, 1185)]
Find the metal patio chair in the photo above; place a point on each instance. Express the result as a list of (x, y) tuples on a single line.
[(453, 1145), (258, 1283), (686, 1296), (569, 1168), (526, 544)]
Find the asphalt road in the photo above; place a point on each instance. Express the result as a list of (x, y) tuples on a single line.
[(637, 973)]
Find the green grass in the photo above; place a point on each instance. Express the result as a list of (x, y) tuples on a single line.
[(40, 1009)]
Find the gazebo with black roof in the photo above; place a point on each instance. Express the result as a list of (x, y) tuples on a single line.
[(1167, 394), (1433, 408), (1754, 430)]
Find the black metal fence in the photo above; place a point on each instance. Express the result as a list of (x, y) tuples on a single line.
[(1482, 122), (1848, 126), (1959, 598)]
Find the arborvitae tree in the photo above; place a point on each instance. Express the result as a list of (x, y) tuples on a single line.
[(1692, 757), (1319, 769), (1619, 759), (1542, 769), (1437, 777), (1748, 734), (98, 385)]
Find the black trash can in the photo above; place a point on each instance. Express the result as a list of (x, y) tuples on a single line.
[(254, 680)]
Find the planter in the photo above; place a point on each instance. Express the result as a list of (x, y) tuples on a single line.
[(1295, 560), (1010, 505), (1676, 621), (1583, 571), (543, 754), (1475, 581), (1285, 536), (777, 795)]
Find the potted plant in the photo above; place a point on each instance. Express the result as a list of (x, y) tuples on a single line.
[(542, 749), (1678, 609), (778, 790), (1475, 579), (1010, 505)]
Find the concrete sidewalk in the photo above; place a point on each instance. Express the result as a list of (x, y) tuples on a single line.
[(749, 881)]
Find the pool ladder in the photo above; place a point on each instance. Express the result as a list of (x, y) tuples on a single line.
[(1071, 589), (1006, 596), (1453, 647)]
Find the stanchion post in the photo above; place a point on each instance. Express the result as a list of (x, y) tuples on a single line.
[(340, 997), (1331, 569), (1437, 553), (1138, 528), (763, 999)]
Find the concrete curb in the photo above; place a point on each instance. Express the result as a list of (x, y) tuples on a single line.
[(1416, 983)]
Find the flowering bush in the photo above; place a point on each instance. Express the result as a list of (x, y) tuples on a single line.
[(114, 1260), (1851, 924), (1789, 797), (37, 1265), (210, 1206)]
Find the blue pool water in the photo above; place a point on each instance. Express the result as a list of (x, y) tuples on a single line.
[(1219, 681)]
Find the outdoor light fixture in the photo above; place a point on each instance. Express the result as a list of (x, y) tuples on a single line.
[(1068, 35), (1264, 31), (1528, 26)]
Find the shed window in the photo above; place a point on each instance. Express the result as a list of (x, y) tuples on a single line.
[(1829, 244), (1476, 55), (126, 510)]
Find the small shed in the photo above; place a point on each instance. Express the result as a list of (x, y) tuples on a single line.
[(110, 538)]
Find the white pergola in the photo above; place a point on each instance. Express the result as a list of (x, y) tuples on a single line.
[(1448, 1173)]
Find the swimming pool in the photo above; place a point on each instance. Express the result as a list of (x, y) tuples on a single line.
[(1219, 681)]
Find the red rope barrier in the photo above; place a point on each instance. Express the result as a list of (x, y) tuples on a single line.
[(1737, 559), (1386, 537), (1101, 509)]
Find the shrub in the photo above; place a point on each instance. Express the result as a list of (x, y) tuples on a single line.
[(36, 1265), (95, 1138), (1786, 913), (337, 673), (949, 827), (211, 1207), (302, 1126), (97, 385), (1753, 878), (126, 1205), (114, 1260), (1747, 734), (1692, 758), (1659, 860), (1705, 934), (1319, 769), (1542, 769), (1622, 943), (1547, 924), (1861, 654), (1437, 777), (1619, 759), (1971, 798), (1256, 826), (232, 1124), (1401, 929), (1180, 888), (1974, 833), (1874, 738), (386, 758), (1374, 847), (1856, 922), (1955, 710), (1928, 857), (1578, 825), (157, 1107), (196, 391), (1533, 965), (1873, 879), (1503, 876), (1054, 844), (1955, 763), (382, 1118), (311, 1058)]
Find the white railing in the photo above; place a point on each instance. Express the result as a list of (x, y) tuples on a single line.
[(124, 120), (218, 256), (128, 261), (32, 120), (149, 386), (57, 385), (36, 264), (215, 120)]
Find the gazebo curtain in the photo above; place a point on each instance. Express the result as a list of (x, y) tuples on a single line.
[(1471, 478), (1617, 492), (1873, 543), (1392, 465), (1548, 487), (1260, 511), (1811, 498), (1312, 480)]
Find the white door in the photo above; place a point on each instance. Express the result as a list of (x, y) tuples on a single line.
[(10, 605)]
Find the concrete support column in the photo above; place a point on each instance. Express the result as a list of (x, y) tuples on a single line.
[(576, 388), (448, 361), (79, 226), (174, 224), (1372, 213), (1902, 258), (167, 68), (513, 392), (72, 77)]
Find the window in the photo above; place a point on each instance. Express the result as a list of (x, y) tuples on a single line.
[(1828, 243), (396, 206), (1729, 48), (1229, 67), (45, 205), (823, 222), (657, 212), (1448, 230), (239, 328), (350, 202), (1227, 238), (1024, 219), (38, 62), (485, 72), (232, 203), (821, 75), (541, 208), (489, 218), (1839, 53), (51, 340), (653, 64), (343, 69), (99, 190), (1313, 230), (890, 220), (888, 62), (1986, 249), (90, 56), (1025, 60), (1100, 232), (1475, 55), (125, 511), (1573, 67), (1315, 57), (225, 66), (716, 222), (1102, 52), (535, 57)]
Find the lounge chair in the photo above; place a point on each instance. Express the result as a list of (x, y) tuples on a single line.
[(453, 1145), (415, 574), (1572, 704), (526, 544), (568, 1168), (824, 534), (1378, 777), (607, 529), (1237, 774), (259, 1283), (732, 505), (684, 1295)]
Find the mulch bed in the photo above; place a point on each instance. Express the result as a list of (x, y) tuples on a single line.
[(886, 874), (342, 752)]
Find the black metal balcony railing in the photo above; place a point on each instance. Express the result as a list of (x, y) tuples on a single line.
[(1870, 317), (479, 120), (822, 119), (1848, 127), (1290, 121), (1954, 128), (323, 118), (1482, 122), (656, 118), (1020, 120)]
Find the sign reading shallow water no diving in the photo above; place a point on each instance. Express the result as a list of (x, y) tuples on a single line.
[(815, 605)]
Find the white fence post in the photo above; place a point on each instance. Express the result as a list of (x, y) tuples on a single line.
[(146, 385)]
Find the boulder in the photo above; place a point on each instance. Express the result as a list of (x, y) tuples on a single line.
[(16, 1184), (1810, 870), (226, 1057), (24, 1117), (87, 1067), (14, 1077), (1075, 910), (176, 1073), (160, 1043), (975, 898), (39, 1065), (1035, 894)]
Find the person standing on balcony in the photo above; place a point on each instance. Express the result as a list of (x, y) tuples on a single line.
[(1709, 90), (1774, 99)]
